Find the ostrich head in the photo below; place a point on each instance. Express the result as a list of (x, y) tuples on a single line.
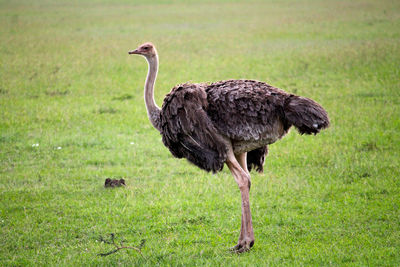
[(147, 50)]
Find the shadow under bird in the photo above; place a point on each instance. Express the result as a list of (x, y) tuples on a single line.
[(227, 122)]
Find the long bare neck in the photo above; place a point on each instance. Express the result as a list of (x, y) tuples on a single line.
[(153, 111)]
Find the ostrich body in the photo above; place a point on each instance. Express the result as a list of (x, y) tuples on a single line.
[(228, 122)]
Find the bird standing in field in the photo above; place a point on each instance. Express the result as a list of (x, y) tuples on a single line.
[(228, 122)]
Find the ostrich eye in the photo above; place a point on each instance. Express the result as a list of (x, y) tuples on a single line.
[(146, 47)]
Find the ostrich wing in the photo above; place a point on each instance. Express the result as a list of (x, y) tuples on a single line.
[(188, 132)]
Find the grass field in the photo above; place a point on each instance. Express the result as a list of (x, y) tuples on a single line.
[(68, 85)]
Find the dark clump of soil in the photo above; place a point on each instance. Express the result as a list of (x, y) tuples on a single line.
[(114, 182)]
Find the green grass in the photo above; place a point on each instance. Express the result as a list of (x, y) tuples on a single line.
[(66, 81)]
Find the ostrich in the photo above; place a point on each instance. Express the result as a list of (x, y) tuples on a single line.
[(227, 122)]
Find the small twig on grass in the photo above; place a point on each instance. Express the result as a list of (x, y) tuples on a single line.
[(121, 246)]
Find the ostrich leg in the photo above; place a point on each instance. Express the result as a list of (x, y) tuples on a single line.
[(242, 159), (242, 178)]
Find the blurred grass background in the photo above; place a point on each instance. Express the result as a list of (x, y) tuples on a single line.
[(67, 84)]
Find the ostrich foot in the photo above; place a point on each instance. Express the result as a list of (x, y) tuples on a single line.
[(243, 246)]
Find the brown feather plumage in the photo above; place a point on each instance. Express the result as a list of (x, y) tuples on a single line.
[(244, 109), (256, 158), (196, 119)]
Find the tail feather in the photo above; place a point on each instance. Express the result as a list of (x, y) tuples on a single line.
[(305, 114)]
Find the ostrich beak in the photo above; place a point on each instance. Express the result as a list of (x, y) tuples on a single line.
[(133, 52)]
